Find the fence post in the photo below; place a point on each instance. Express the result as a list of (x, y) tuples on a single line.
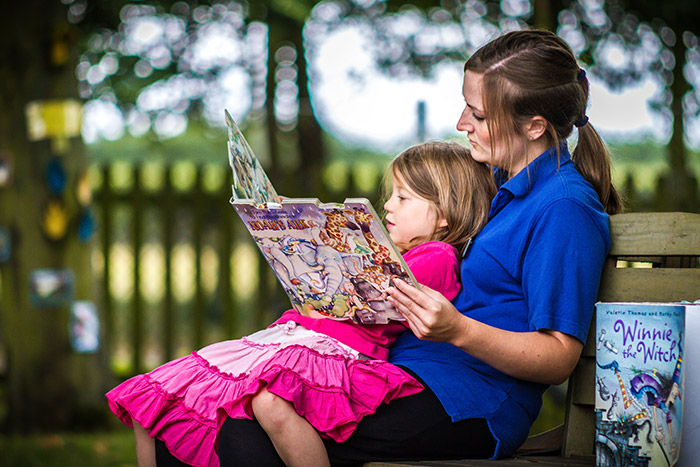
[(197, 218), (225, 246), (105, 195), (168, 312), (137, 302)]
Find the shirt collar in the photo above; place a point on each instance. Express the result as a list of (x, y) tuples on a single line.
[(543, 165)]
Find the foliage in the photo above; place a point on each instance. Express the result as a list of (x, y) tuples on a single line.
[(625, 42), (163, 62), (107, 449)]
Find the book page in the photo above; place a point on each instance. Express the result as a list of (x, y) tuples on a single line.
[(333, 260), (249, 179)]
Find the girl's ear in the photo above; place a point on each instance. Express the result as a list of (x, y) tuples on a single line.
[(442, 222), (535, 127)]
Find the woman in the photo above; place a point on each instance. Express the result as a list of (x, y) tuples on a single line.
[(530, 277)]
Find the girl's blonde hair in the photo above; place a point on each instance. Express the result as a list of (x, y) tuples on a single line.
[(457, 186), (532, 73)]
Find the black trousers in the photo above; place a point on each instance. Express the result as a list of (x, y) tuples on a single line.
[(410, 428)]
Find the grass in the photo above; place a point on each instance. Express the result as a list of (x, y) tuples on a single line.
[(115, 448), (105, 449)]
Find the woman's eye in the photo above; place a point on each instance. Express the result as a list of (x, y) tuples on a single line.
[(477, 118)]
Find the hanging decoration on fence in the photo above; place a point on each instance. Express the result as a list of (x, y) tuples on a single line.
[(57, 120), (86, 225), (56, 176), (51, 287), (83, 190), (5, 245), (54, 219), (84, 327), (7, 166), (86, 218)]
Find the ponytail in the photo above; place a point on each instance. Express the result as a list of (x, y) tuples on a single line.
[(592, 160)]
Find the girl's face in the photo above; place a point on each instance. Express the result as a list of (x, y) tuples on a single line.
[(473, 121), (408, 216)]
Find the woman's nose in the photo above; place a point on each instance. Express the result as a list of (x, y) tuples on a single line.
[(463, 123)]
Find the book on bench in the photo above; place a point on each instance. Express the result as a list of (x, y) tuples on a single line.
[(639, 387), (334, 260)]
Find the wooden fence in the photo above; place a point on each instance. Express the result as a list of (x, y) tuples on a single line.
[(175, 268)]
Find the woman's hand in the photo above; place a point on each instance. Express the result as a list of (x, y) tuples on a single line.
[(543, 356), (428, 313)]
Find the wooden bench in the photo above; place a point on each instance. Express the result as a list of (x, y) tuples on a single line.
[(653, 258)]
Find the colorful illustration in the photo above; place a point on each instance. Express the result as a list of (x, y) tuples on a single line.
[(249, 178), (639, 383), (51, 287), (322, 257), (84, 327), (333, 260)]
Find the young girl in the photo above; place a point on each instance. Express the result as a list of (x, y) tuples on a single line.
[(302, 377)]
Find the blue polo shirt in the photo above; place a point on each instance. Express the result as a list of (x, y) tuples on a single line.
[(535, 265)]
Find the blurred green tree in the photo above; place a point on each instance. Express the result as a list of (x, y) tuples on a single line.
[(48, 385), (627, 41)]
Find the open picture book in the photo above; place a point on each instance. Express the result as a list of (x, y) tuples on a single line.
[(334, 260)]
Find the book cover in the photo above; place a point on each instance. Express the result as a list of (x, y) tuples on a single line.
[(334, 260), (639, 383), (690, 449)]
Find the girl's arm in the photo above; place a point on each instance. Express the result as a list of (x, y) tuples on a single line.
[(544, 356)]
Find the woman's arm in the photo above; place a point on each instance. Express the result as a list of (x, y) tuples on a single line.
[(542, 356)]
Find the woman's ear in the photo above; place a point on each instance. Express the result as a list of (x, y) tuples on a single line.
[(535, 127)]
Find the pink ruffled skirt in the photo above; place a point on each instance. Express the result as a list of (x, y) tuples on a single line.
[(184, 402)]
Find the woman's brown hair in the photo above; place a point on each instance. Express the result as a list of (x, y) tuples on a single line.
[(460, 188), (532, 73)]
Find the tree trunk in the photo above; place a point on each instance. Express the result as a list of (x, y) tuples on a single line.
[(682, 196), (309, 133), (49, 386)]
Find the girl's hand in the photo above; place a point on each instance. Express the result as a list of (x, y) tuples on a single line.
[(428, 313)]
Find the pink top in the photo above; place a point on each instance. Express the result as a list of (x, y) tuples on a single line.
[(433, 264)]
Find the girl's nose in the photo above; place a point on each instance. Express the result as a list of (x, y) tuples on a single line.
[(387, 206)]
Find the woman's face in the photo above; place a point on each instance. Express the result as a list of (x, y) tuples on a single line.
[(473, 122)]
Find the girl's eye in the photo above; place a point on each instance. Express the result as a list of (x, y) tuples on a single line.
[(477, 118), (400, 198)]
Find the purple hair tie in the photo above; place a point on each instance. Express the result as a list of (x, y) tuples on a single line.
[(581, 122), (581, 75)]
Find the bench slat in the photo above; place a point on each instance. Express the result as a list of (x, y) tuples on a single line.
[(649, 285), (658, 233)]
